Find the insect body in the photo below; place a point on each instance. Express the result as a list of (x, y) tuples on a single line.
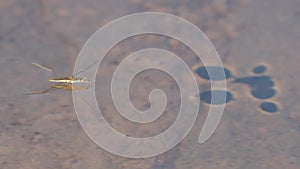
[(71, 80)]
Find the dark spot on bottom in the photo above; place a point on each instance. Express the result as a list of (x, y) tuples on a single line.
[(37, 133), (15, 123), (269, 107), (220, 97)]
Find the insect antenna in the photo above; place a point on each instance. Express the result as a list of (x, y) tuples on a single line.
[(45, 68)]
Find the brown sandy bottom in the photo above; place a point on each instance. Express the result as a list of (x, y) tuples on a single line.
[(257, 42)]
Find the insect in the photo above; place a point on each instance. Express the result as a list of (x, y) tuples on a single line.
[(64, 83)]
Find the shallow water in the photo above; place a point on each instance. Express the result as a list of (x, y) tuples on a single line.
[(258, 42)]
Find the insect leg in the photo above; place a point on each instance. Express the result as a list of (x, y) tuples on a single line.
[(42, 92)]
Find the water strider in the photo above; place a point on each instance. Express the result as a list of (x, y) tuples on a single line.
[(64, 83)]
